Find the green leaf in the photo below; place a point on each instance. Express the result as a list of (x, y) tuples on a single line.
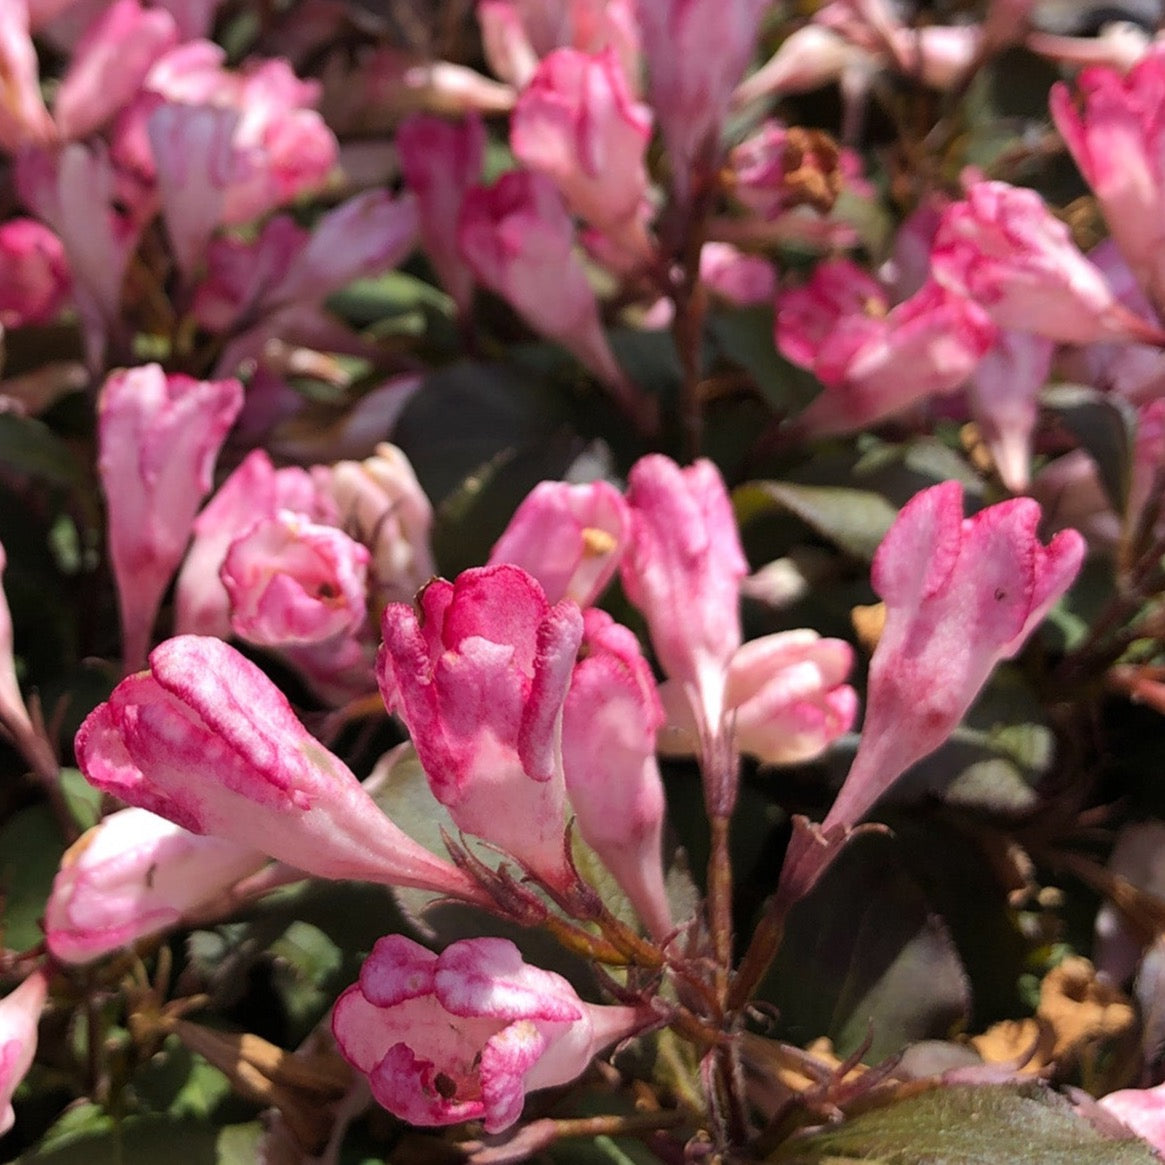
[(864, 955), (855, 520), (179, 1083), (83, 800), (138, 1140), (30, 852), (1105, 426), (745, 336), (967, 1125), (30, 446)]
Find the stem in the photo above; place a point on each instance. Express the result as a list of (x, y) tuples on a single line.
[(809, 855), (720, 902)]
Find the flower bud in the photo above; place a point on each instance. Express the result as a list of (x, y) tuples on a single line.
[(206, 740), (132, 875), (19, 1016), (464, 1035), (478, 673), (159, 436), (569, 537), (609, 722)]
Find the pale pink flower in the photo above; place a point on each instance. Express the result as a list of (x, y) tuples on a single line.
[(1142, 1110), (506, 41), (206, 740), (159, 436), (577, 122), (478, 673), (19, 1016), (875, 360), (291, 581), (1003, 393), (961, 594), (683, 568), (132, 875), (464, 1035), (24, 120), (441, 161), (34, 276), (777, 169), (609, 724), (13, 713), (696, 52), (254, 491), (569, 537), (740, 279), (518, 239), (1115, 129), (1003, 248), (109, 65), (381, 504), (786, 699)]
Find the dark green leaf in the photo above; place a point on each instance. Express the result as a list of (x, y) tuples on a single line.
[(83, 800), (864, 955), (30, 851), (1105, 426), (853, 519), (967, 1125), (30, 446)]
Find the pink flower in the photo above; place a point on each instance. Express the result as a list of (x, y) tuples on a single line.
[(577, 123), (291, 581), (683, 568), (696, 52), (256, 490), (132, 875), (23, 118), (960, 594), (1003, 395), (34, 277), (518, 239), (479, 673), (741, 279), (778, 169), (1116, 133), (1002, 247), (193, 149), (569, 537), (875, 360), (441, 161), (98, 217), (381, 503), (206, 740), (786, 699), (159, 436), (13, 713), (1142, 1110), (109, 65), (464, 1035), (609, 723), (19, 1016)]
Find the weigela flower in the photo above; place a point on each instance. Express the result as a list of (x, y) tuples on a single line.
[(569, 537), (19, 1015), (1115, 130), (1002, 247), (961, 594), (136, 874), (478, 672), (683, 568), (441, 161), (518, 239), (24, 120), (464, 1035), (786, 699), (874, 360), (291, 581), (34, 276), (609, 725), (159, 437), (207, 741), (577, 122)]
